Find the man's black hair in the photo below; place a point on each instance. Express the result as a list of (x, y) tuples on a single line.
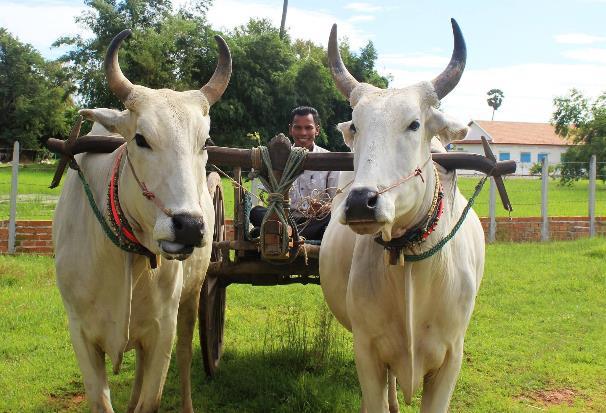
[(304, 111)]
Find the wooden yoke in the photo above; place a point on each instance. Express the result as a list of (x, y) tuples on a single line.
[(279, 149)]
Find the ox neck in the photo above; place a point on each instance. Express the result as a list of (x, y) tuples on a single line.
[(426, 219)]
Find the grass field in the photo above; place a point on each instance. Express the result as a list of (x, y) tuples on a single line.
[(536, 342), (37, 201)]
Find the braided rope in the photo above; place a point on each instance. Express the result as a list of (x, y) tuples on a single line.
[(277, 202), (443, 241), (114, 238)]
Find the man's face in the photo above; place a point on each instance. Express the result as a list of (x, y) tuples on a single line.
[(304, 130)]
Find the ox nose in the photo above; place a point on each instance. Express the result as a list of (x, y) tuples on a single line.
[(360, 205), (188, 229)]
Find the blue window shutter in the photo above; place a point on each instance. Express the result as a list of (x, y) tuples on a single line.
[(504, 156)]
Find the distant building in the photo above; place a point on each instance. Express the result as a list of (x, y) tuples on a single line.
[(525, 143)]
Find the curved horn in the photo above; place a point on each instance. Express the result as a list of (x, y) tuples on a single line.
[(118, 83), (343, 79), (448, 79), (220, 78)]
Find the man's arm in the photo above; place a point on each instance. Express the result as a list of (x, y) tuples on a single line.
[(332, 182)]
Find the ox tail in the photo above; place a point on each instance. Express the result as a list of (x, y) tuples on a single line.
[(408, 385)]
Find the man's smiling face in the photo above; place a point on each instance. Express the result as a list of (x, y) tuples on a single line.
[(304, 130)]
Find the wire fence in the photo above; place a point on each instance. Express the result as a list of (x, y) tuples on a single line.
[(36, 201)]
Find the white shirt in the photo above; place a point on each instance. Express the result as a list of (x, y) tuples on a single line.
[(314, 184)]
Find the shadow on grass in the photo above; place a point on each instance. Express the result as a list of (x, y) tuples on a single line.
[(303, 364)]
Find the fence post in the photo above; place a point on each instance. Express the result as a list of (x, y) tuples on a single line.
[(492, 212), (592, 183), (544, 186), (12, 220)]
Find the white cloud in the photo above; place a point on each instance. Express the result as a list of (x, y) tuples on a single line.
[(529, 89), (593, 55), (301, 24), (361, 18), (40, 24), (578, 38), (363, 7)]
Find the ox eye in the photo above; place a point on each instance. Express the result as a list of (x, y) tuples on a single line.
[(352, 128), (140, 139), (414, 125)]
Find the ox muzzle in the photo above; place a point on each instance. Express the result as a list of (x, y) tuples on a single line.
[(188, 233), (361, 206)]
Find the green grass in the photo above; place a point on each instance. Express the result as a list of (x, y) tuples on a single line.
[(539, 326), (525, 197), (37, 201)]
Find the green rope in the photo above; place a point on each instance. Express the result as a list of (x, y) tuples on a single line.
[(443, 242), (277, 202), (115, 239)]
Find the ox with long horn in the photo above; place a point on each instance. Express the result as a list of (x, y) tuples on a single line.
[(133, 230), (403, 256)]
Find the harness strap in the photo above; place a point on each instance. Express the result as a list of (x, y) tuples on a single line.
[(116, 239)]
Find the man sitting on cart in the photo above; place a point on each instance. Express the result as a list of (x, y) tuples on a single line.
[(312, 192)]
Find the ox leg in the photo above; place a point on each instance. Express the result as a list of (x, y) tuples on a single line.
[(136, 391), (439, 385), (186, 320), (156, 351), (392, 393), (92, 365), (372, 374)]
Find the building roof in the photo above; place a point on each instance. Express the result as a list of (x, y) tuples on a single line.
[(513, 133)]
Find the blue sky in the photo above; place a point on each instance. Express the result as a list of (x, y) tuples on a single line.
[(533, 50)]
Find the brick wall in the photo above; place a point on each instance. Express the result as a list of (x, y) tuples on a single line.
[(32, 237), (529, 229), (35, 236)]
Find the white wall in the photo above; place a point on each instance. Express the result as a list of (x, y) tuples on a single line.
[(554, 153)]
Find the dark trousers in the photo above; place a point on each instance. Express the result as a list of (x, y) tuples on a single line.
[(314, 228)]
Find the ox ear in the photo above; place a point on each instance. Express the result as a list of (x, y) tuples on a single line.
[(112, 120), (446, 127), (347, 132)]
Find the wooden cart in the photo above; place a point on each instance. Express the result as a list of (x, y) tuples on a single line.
[(243, 260)]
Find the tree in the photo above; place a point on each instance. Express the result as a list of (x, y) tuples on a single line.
[(168, 48), (174, 49), (495, 99), (34, 95), (583, 123)]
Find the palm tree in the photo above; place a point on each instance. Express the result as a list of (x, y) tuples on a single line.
[(495, 98), (284, 9)]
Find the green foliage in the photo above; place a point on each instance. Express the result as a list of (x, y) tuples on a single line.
[(168, 48), (175, 49), (583, 123), (495, 99), (34, 95), (537, 169)]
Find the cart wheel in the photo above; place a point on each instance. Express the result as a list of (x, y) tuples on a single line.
[(211, 312)]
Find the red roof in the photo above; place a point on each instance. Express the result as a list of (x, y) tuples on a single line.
[(517, 133)]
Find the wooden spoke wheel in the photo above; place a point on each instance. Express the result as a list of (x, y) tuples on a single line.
[(211, 311)]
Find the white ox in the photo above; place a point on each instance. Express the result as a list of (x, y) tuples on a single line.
[(114, 301), (408, 320)]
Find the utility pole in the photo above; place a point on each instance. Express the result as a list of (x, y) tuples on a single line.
[(284, 9)]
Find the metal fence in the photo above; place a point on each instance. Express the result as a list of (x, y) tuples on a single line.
[(24, 195)]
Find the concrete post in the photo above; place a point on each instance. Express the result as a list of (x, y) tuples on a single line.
[(544, 186), (592, 183), (12, 220)]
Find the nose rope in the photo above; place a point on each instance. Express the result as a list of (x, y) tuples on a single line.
[(146, 192), (417, 172)]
